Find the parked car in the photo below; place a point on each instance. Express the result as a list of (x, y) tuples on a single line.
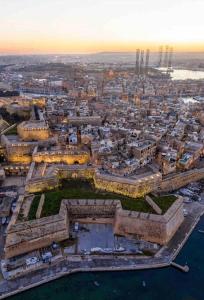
[(31, 261)]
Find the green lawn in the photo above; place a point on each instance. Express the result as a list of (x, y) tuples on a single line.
[(34, 207), (84, 189), (164, 202), (72, 189), (138, 204)]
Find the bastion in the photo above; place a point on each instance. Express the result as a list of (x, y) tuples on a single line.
[(137, 187), (125, 186), (150, 227), (26, 236)]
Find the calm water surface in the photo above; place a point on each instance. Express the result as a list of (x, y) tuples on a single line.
[(187, 74), (161, 284)]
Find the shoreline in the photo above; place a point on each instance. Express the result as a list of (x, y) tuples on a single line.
[(81, 270)]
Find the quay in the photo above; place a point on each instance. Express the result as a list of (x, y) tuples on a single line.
[(75, 265)]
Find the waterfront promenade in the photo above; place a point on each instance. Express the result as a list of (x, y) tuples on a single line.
[(77, 263)]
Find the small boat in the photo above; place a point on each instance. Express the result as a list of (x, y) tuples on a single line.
[(107, 250), (119, 249), (201, 231), (96, 283), (143, 283)]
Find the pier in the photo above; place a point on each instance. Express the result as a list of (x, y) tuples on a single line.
[(181, 268)]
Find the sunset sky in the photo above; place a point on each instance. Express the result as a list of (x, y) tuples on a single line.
[(65, 26)]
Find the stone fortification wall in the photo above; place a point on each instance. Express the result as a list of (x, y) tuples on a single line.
[(29, 132), (28, 236), (20, 153), (175, 217), (21, 149), (120, 185), (61, 172), (124, 186), (25, 146), (42, 184), (66, 172), (84, 208), (128, 187), (66, 157), (150, 227), (31, 235), (175, 181)]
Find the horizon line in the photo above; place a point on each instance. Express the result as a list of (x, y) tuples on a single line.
[(90, 53)]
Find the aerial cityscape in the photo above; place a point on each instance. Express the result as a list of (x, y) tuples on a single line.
[(101, 150)]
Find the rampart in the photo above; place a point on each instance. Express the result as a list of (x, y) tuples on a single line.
[(175, 181), (31, 235), (67, 157), (93, 208), (16, 151), (128, 187), (27, 236), (41, 184), (74, 171), (151, 227)]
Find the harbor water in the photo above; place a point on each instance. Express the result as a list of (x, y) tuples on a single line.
[(187, 74), (159, 284)]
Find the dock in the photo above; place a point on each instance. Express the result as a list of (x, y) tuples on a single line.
[(181, 268)]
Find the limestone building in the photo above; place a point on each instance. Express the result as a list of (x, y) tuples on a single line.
[(33, 130)]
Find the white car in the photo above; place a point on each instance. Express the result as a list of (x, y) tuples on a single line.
[(185, 213)]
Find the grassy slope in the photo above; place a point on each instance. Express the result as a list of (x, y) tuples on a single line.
[(83, 189), (164, 202)]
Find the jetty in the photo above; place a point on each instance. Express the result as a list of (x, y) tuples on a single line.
[(181, 268)]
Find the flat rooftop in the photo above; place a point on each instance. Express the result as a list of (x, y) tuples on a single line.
[(33, 124)]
